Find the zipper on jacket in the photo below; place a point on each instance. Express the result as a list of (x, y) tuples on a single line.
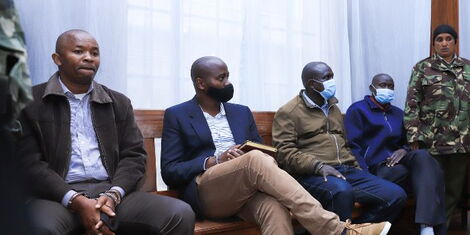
[(365, 154), (337, 148), (386, 121), (328, 131)]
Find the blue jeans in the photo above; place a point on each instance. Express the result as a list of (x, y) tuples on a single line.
[(382, 199)]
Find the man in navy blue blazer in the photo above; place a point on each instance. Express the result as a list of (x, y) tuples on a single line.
[(377, 138), (201, 158)]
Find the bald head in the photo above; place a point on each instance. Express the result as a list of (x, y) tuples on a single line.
[(204, 66), (315, 70), (68, 36), (382, 78), (77, 57), (381, 81)]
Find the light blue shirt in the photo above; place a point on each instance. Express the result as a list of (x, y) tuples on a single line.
[(85, 160), (324, 107), (220, 131)]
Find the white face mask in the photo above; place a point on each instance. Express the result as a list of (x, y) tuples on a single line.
[(384, 95)]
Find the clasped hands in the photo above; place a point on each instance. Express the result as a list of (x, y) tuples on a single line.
[(391, 161), (231, 153), (89, 211)]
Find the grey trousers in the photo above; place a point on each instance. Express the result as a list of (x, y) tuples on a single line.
[(138, 213)]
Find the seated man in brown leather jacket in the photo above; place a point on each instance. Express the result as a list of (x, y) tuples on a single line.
[(84, 154)]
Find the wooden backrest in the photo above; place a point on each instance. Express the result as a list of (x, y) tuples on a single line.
[(150, 123)]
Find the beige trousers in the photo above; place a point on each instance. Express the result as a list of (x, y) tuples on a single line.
[(253, 187)]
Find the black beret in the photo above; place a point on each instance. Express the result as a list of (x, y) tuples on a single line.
[(444, 28)]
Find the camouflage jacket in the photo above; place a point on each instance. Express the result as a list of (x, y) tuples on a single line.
[(437, 105), (15, 82)]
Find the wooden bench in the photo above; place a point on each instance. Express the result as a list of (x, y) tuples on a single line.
[(150, 123)]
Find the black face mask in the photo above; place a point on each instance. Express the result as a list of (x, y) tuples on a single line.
[(221, 94)]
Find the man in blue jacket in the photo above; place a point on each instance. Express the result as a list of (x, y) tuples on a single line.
[(201, 158), (377, 139)]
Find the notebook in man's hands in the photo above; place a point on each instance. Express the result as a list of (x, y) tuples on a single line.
[(250, 145)]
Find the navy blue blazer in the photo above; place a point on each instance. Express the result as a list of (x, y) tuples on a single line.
[(187, 142)]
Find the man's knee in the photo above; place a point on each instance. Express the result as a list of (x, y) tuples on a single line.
[(421, 159), (51, 218), (272, 207), (142, 212), (337, 190), (397, 195), (334, 188), (256, 158), (421, 156), (180, 219), (184, 213), (341, 188)]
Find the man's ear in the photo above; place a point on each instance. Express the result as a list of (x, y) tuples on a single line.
[(200, 84), (310, 84), (56, 59), (315, 86), (371, 89)]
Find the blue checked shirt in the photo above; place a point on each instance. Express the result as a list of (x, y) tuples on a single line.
[(85, 160)]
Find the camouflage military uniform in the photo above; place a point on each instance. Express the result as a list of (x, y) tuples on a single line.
[(437, 116), (15, 93), (437, 106), (15, 82)]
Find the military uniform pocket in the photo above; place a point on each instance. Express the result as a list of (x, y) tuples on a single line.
[(434, 93)]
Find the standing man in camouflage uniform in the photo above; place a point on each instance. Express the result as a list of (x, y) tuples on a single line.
[(437, 111), (15, 82), (15, 93)]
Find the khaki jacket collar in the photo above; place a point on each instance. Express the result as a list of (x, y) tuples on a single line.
[(332, 101)]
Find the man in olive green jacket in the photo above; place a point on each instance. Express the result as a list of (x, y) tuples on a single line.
[(308, 131)]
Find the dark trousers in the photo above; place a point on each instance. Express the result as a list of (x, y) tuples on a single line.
[(383, 199), (420, 172), (138, 213), (455, 173), (14, 217)]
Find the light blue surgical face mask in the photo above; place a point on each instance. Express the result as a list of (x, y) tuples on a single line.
[(329, 89), (384, 95)]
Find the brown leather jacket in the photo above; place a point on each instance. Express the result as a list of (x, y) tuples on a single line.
[(46, 141)]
